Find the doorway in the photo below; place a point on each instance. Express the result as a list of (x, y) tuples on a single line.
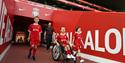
[(20, 28)]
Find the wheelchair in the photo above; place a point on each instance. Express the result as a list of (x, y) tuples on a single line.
[(58, 51)]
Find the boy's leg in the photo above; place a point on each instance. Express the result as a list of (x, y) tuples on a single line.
[(47, 44), (30, 51), (34, 52), (81, 59), (68, 51), (49, 40)]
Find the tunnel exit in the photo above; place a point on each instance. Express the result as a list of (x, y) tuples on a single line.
[(20, 28)]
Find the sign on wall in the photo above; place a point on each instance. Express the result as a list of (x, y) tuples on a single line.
[(103, 33), (5, 25)]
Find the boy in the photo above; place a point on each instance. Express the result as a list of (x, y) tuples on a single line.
[(34, 37), (48, 35), (63, 40), (77, 42)]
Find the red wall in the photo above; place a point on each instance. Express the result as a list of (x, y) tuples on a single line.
[(69, 19), (26, 10), (6, 21), (91, 21), (103, 22)]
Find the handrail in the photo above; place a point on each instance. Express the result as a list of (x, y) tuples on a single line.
[(78, 5), (85, 2)]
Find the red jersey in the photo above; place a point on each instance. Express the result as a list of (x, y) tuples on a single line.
[(62, 38), (35, 30), (77, 41)]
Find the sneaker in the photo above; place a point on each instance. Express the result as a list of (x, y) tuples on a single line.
[(81, 61), (73, 57), (68, 56), (33, 57), (28, 56)]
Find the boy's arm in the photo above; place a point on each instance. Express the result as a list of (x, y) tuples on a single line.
[(82, 42), (73, 41), (40, 31), (29, 30), (56, 39), (28, 36), (45, 35)]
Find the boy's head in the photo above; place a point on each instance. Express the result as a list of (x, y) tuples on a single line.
[(78, 29), (36, 19), (63, 29), (49, 24)]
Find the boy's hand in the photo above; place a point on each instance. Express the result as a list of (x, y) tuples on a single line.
[(58, 44), (73, 45), (28, 38), (44, 37)]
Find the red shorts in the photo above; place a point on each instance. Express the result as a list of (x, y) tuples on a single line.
[(34, 42), (64, 44), (78, 45), (76, 48)]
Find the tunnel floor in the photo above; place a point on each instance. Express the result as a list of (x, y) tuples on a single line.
[(18, 54)]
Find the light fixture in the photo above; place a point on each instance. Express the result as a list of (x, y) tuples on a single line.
[(20, 9)]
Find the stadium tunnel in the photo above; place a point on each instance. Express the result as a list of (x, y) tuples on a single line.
[(21, 25), (97, 24)]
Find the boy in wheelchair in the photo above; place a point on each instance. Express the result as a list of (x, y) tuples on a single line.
[(62, 40)]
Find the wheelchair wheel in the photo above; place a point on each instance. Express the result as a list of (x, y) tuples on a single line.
[(56, 52)]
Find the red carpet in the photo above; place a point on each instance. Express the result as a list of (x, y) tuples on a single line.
[(18, 54)]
